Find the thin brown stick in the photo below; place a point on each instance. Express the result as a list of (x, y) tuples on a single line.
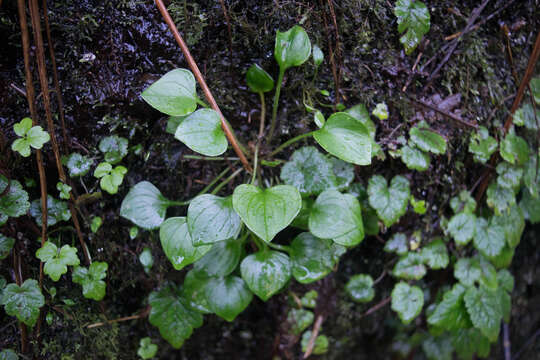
[(442, 112), (30, 96), (42, 71), (376, 307), (200, 79), (314, 334), (59, 98), (143, 314)]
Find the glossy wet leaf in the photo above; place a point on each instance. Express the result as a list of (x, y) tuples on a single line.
[(300, 320), (514, 149), (114, 147), (435, 254), (177, 244), (228, 296), (6, 244), (146, 349), (320, 345), (193, 289), (23, 301), (462, 227), (464, 202), (428, 140), (360, 288), (14, 201), (361, 114), (531, 176), (31, 136), (413, 17), (111, 178), (407, 301), (509, 176), (337, 216), (23, 126), (221, 259), (390, 202), (397, 244), (173, 94), (144, 206), (91, 279), (410, 267), (202, 132), (211, 219), (96, 224), (415, 159), (309, 299), (56, 211), (258, 79), (267, 211), (468, 342), (419, 206), (513, 223), (318, 56), (146, 259), (266, 272), (313, 258), (475, 270), (499, 198), (173, 315), (57, 260), (381, 111), (489, 238), (530, 207), (309, 171), (346, 138), (343, 171), (292, 47), (451, 313), (525, 116), (78, 165), (485, 311), (482, 145)]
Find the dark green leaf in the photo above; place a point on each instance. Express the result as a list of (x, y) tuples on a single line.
[(6, 244), (513, 223), (23, 301), (344, 172), (410, 267), (173, 94), (173, 315), (114, 147), (462, 227), (530, 207), (14, 201), (222, 258), (360, 288), (91, 279), (177, 245), (320, 345), (346, 138), (360, 113), (56, 211), (300, 320), (145, 206), (451, 313), (439, 348), (468, 342), (499, 198), (228, 296), (482, 145), (292, 47), (428, 140), (413, 17), (146, 350), (202, 132), (489, 238), (267, 211), (266, 272), (259, 80), (407, 301), (414, 158), (484, 308), (389, 202), (514, 149), (435, 254)]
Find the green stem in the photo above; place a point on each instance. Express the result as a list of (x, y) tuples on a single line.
[(213, 182), (285, 248), (226, 181), (291, 141), (178, 203), (261, 245), (261, 130), (202, 103), (275, 106)]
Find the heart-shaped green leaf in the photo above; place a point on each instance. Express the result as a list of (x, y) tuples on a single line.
[(258, 80), (337, 216), (435, 254), (177, 245), (202, 132), (462, 227), (173, 315), (23, 126), (173, 94), (410, 267), (144, 206), (267, 211), (114, 147), (14, 201), (428, 140), (318, 56), (37, 137), (407, 301), (299, 319), (514, 149), (228, 296), (313, 258), (389, 202), (489, 238), (397, 244), (292, 47), (221, 260), (360, 288), (211, 219), (309, 171), (361, 113), (56, 261), (193, 289), (91, 279), (346, 138), (23, 301), (484, 308), (266, 272), (451, 314)]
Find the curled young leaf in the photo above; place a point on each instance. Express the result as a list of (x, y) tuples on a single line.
[(292, 47)]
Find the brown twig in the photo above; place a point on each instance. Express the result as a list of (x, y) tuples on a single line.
[(143, 314), (42, 71), (200, 79), (376, 307), (228, 20), (444, 113), (314, 334)]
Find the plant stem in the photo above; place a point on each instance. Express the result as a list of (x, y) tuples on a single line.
[(261, 245), (261, 130), (202, 103), (291, 141), (275, 105), (178, 203), (226, 181), (213, 182), (211, 158), (285, 248)]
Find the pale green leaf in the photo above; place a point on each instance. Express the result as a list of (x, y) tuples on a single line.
[(482, 145), (414, 158), (514, 149), (389, 202), (91, 279), (14, 201), (360, 288), (78, 165), (266, 272), (410, 267), (114, 147), (228, 296), (462, 227), (489, 238), (202, 132), (146, 349), (407, 301), (292, 47), (435, 254), (6, 244), (451, 313), (23, 301), (56, 261), (144, 206), (300, 320), (320, 346), (397, 244), (56, 211), (485, 310)]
